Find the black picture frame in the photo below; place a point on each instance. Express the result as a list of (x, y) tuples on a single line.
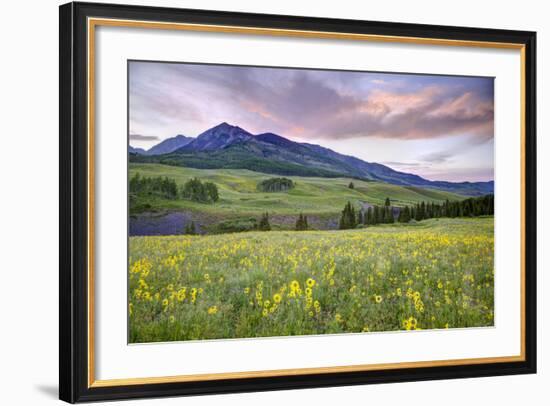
[(74, 199)]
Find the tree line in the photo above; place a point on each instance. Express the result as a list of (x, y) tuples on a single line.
[(471, 207), (194, 189)]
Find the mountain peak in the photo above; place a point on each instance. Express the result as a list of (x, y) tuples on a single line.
[(218, 137), (222, 126)]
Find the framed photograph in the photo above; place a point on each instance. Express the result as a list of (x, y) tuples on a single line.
[(257, 202)]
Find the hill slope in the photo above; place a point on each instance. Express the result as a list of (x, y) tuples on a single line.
[(313, 195)]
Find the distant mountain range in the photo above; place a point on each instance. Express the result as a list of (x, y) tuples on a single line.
[(164, 147), (231, 147)]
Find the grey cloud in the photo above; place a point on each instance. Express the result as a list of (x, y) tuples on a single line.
[(407, 164), (139, 137)]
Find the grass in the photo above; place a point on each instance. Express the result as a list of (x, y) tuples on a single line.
[(433, 274), (311, 195)]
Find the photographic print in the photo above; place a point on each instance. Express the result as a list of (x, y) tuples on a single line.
[(272, 201)]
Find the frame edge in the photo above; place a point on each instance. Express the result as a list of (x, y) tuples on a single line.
[(67, 389), (73, 367)]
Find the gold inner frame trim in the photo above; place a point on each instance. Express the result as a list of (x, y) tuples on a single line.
[(94, 22)]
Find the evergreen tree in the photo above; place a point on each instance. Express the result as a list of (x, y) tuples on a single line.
[(351, 185), (264, 225), (352, 216), (369, 217), (404, 215), (423, 211), (377, 215), (418, 213), (190, 228), (389, 215), (429, 210), (400, 216), (301, 223), (387, 202)]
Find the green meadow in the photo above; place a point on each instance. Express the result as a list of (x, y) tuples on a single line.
[(434, 274), (431, 274), (311, 195)]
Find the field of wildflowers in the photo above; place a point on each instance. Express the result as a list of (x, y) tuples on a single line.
[(430, 275)]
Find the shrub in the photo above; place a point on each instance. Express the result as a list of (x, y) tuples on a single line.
[(236, 225)]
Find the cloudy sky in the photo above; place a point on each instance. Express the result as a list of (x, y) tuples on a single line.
[(439, 127)]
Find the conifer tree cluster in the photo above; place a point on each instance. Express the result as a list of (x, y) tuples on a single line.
[(301, 223), (471, 207), (348, 219), (198, 191), (194, 189), (160, 186), (378, 215)]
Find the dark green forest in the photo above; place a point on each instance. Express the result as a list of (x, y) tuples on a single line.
[(471, 207), (166, 188)]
